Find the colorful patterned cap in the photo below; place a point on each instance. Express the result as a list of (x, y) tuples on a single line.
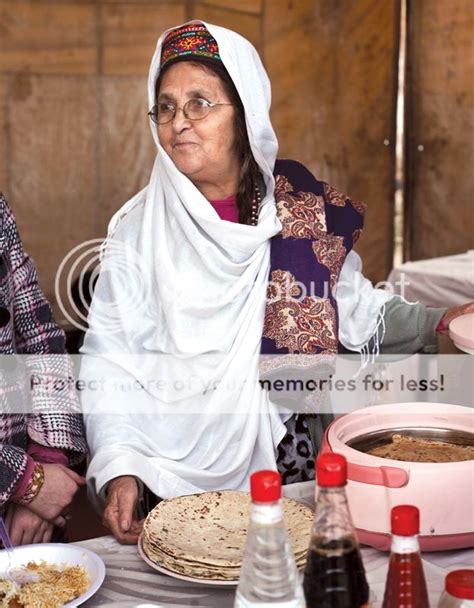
[(192, 42)]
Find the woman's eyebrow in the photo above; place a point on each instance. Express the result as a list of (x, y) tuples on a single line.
[(165, 97), (189, 94), (199, 93)]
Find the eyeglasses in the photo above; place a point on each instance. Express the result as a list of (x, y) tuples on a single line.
[(194, 109)]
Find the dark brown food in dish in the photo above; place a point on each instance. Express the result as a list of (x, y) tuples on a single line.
[(422, 450)]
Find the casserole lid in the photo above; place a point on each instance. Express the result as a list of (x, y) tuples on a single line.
[(461, 330)]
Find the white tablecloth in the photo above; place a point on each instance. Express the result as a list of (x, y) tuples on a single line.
[(437, 282), (130, 583)]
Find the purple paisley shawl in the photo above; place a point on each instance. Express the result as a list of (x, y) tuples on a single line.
[(320, 227)]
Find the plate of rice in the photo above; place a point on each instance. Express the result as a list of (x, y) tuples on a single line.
[(66, 576)]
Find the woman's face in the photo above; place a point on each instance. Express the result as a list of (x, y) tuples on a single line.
[(204, 150)]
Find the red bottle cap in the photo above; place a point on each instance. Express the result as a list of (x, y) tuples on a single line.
[(331, 470), (405, 520), (265, 486), (460, 583)]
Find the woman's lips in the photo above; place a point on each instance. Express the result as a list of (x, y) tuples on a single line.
[(183, 144)]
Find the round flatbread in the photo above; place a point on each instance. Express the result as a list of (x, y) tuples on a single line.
[(203, 535)]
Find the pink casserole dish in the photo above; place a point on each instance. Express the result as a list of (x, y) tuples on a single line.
[(444, 492), (461, 332)]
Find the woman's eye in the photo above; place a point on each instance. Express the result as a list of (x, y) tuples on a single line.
[(200, 102), (164, 108)]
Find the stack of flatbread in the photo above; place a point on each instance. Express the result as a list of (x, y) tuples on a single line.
[(203, 535)]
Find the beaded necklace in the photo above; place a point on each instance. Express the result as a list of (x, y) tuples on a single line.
[(256, 200)]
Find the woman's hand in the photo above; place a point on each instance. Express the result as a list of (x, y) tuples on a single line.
[(119, 512), (56, 494), (25, 527), (456, 311)]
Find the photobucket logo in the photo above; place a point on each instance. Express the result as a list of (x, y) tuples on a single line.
[(297, 291), (122, 292)]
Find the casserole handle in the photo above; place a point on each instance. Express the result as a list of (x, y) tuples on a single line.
[(390, 477)]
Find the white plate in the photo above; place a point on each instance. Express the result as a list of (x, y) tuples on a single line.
[(61, 553), (182, 577)]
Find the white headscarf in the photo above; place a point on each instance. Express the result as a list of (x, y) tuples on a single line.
[(198, 320)]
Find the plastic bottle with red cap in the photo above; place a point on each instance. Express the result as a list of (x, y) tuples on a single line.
[(406, 585), (334, 576), (268, 576), (458, 590)]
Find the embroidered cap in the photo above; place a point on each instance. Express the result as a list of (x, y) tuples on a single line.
[(192, 42)]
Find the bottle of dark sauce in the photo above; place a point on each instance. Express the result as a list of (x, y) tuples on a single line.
[(334, 576)]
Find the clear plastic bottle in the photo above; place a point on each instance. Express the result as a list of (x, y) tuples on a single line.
[(268, 576), (459, 590), (406, 585), (334, 576)]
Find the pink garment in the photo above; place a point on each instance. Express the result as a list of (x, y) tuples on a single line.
[(46, 455), (226, 209)]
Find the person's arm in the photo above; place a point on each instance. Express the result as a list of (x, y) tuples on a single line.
[(56, 422), (24, 478), (27, 528), (36, 332), (54, 433), (23, 525), (410, 328), (17, 469), (379, 321), (120, 509), (22, 474), (119, 467), (55, 488), (39, 500)]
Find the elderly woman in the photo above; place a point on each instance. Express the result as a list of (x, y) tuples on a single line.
[(226, 255), (36, 450)]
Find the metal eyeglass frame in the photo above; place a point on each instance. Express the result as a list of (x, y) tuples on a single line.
[(154, 115)]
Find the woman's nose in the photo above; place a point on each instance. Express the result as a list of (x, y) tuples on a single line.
[(180, 122)]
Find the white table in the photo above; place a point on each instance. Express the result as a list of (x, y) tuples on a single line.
[(437, 282), (130, 583)]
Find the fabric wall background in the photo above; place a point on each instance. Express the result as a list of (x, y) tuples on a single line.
[(74, 135)]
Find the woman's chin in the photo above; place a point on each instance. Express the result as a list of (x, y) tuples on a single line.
[(188, 167)]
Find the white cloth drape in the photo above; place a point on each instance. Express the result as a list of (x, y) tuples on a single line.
[(360, 308), (196, 321)]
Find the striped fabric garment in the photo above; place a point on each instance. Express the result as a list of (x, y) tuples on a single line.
[(27, 327)]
